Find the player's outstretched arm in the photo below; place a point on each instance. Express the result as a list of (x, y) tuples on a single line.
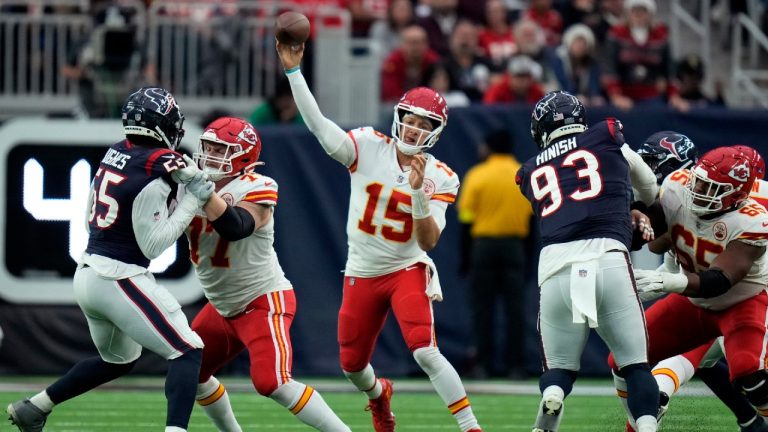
[(334, 140), (642, 177), (154, 228)]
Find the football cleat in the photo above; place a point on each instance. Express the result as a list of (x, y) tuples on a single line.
[(663, 407), (550, 414), (26, 416), (759, 425), (383, 417)]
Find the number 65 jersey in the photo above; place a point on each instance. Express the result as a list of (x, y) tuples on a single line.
[(379, 224), (233, 274), (697, 241)]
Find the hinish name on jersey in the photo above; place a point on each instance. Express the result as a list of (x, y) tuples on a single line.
[(115, 158), (555, 150)]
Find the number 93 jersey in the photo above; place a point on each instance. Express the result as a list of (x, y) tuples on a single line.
[(697, 241), (379, 225), (233, 274), (579, 187)]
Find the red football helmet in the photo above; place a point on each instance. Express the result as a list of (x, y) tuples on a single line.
[(721, 180), (235, 150), (426, 103), (758, 163)]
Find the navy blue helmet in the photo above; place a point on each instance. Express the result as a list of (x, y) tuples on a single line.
[(667, 151), (153, 112), (556, 114)]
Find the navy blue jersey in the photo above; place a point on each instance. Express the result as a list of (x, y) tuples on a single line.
[(579, 187), (123, 173)]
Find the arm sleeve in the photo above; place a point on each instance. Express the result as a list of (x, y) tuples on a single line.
[(155, 229), (642, 177), (334, 140)]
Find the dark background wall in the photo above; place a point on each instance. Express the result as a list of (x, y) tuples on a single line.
[(311, 243)]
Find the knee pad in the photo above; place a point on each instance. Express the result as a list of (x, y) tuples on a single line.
[(430, 359), (755, 387)]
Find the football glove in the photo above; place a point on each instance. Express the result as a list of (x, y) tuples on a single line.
[(200, 187), (652, 281), (186, 174)]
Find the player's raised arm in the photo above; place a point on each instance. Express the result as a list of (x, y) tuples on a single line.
[(642, 177), (334, 140)]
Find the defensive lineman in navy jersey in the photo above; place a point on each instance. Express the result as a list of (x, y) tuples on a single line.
[(579, 186), (132, 217)]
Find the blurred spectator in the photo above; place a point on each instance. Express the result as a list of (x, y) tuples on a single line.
[(497, 39), (387, 31), (611, 13), (212, 115), (519, 85), (580, 12), (575, 66), (468, 71), (495, 222), (530, 40), (279, 108), (406, 66), (690, 78), (438, 17), (438, 79), (542, 12), (107, 62), (364, 13), (637, 63)]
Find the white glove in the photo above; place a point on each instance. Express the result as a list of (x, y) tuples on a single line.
[(660, 282), (200, 187), (186, 174)]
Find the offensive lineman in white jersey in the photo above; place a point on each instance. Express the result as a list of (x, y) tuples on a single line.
[(662, 151), (719, 238), (397, 209), (251, 304)]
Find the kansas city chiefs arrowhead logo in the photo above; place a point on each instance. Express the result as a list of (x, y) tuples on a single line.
[(740, 172)]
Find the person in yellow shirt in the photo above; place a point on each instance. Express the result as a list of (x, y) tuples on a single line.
[(496, 220)]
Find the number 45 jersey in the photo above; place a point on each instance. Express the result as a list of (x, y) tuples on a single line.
[(379, 225), (233, 274)]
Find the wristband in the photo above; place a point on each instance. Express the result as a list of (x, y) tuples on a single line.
[(292, 70), (419, 204)]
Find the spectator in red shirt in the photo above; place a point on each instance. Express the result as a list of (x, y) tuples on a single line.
[(638, 65), (519, 85), (542, 12), (496, 38), (406, 66)]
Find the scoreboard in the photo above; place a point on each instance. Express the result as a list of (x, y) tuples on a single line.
[(47, 167)]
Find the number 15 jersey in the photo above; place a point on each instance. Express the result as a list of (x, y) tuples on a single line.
[(379, 224)]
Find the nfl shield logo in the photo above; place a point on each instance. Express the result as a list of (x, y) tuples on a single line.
[(582, 273)]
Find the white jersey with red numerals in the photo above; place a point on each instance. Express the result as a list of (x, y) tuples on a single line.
[(760, 192), (379, 225), (698, 241), (233, 274)]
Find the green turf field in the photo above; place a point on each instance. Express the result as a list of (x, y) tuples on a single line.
[(118, 410)]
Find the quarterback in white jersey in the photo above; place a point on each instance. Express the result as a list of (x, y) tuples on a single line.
[(251, 303), (396, 213), (719, 236)]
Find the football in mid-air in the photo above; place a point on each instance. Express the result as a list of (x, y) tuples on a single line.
[(292, 28)]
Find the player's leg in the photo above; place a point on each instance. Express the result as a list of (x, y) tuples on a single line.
[(744, 335), (118, 356), (266, 332), (152, 317), (413, 310), (562, 341), (221, 346), (364, 308), (621, 326), (674, 325)]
